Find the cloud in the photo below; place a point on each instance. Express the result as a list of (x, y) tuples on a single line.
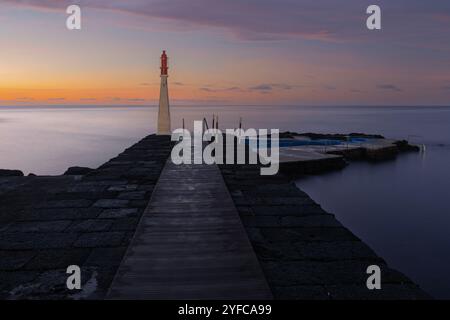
[(211, 100), (282, 86), (267, 20), (56, 99), (389, 87), (249, 20), (268, 87), (329, 87), (228, 89), (88, 99), (206, 89), (261, 88), (234, 89), (442, 17), (447, 87), (136, 100), (144, 84), (178, 84)]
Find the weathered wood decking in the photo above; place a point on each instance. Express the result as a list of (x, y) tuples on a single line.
[(190, 243)]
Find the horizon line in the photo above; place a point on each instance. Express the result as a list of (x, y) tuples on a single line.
[(224, 105)]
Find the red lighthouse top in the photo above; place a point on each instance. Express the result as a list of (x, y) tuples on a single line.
[(164, 66)]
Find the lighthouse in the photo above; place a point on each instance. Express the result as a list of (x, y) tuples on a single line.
[(164, 111)]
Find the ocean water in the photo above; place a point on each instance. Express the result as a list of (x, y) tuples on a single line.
[(400, 208)]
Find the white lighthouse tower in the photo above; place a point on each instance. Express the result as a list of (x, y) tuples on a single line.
[(164, 111)]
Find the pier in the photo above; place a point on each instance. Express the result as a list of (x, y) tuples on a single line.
[(190, 243), (140, 227)]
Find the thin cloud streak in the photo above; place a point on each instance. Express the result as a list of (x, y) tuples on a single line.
[(268, 20), (390, 87)]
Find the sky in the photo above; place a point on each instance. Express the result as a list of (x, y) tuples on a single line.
[(255, 52)]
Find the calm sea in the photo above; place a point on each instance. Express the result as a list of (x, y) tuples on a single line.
[(401, 208)]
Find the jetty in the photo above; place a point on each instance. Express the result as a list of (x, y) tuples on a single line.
[(140, 227), (190, 243)]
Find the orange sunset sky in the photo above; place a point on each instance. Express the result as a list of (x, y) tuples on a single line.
[(223, 52)]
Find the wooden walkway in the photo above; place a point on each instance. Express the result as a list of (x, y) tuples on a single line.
[(190, 243)]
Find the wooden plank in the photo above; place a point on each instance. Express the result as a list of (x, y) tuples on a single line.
[(190, 243)]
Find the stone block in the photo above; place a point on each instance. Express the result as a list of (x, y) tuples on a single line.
[(111, 203), (58, 258), (135, 195), (25, 241), (125, 187), (39, 226), (14, 260), (91, 225), (79, 203), (119, 213), (99, 239)]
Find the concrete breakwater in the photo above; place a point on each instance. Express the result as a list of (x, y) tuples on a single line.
[(304, 251), (311, 153), (49, 223)]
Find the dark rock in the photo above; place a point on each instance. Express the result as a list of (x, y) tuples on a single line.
[(77, 203), (49, 223), (58, 258), (92, 225), (134, 195), (296, 169), (119, 213), (77, 171), (382, 154), (344, 137), (14, 260), (10, 173), (111, 203), (364, 135), (125, 224), (39, 226), (32, 241), (99, 239), (59, 214), (125, 187), (404, 146), (10, 280)]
